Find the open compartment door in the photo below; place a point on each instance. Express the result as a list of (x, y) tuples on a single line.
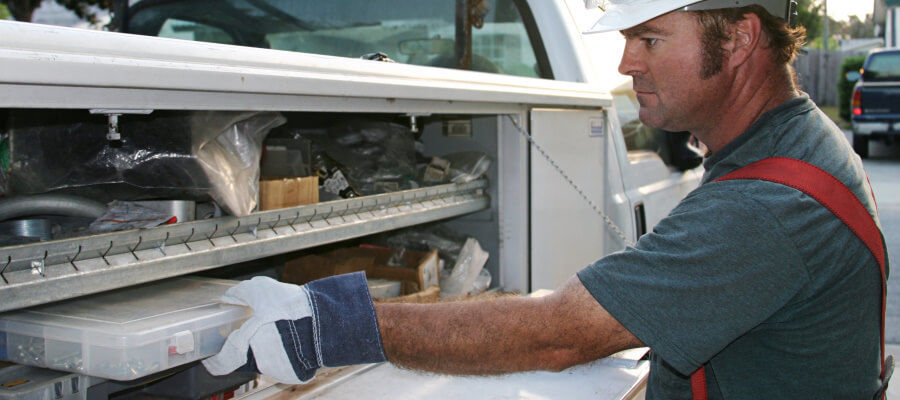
[(567, 234)]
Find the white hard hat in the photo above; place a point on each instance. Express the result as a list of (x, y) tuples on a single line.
[(623, 14)]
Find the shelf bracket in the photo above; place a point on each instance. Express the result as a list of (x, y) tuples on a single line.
[(112, 115)]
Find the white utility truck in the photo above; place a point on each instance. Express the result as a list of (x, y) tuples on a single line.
[(574, 176)]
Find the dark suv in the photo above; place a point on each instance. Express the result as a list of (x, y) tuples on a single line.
[(875, 106)]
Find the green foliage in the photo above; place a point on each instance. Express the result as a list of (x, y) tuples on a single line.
[(4, 12), (809, 15), (844, 87), (83, 9), (816, 43), (857, 28), (22, 10)]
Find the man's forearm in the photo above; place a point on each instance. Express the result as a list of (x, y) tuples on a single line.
[(475, 337), (507, 334)]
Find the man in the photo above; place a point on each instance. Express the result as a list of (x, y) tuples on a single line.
[(754, 280)]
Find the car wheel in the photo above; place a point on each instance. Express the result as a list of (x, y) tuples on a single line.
[(861, 145)]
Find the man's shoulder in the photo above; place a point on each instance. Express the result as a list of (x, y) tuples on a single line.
[(739, 194)]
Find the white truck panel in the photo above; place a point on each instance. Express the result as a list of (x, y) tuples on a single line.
[(601, 379), (567, 234), (57, 59)]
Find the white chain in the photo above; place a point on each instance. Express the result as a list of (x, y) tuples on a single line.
[(609, 222)]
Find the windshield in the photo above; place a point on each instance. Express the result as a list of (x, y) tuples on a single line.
[(883, 67), (422, 32)]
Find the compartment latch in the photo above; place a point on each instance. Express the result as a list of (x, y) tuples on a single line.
[(182, 342), (113, 133)]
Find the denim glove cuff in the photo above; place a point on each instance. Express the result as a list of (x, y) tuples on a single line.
[(250, 366), (345, 328)]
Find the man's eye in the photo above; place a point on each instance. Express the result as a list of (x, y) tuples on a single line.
[(650, 42)]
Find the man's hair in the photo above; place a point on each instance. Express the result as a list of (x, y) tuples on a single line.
[(783, 40)]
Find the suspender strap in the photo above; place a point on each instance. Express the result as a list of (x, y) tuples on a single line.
[(833, 195), (698, 384)]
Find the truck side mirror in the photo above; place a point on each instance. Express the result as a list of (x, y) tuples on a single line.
[(852, 76), (676, 151)]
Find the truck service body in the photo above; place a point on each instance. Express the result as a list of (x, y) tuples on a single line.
[(564, 174)]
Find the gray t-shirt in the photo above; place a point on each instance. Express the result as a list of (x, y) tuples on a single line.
[(754, 278)]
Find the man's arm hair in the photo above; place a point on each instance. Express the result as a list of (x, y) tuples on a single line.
[(502, 335)]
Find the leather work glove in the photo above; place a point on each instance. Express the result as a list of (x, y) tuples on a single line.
[(295, 330)]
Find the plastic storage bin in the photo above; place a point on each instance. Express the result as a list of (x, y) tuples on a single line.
[(128, 333), (20, 382)]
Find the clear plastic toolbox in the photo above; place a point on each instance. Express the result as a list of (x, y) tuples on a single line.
[(125, 334), (21, 382)]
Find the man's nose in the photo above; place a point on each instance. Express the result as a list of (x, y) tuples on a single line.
[(631, 63)]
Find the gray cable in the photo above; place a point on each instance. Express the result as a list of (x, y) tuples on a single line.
[(50, 204)]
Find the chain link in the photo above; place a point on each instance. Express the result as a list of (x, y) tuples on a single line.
[(609, 222)]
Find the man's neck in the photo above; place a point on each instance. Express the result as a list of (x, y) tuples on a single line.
[(753, 94)]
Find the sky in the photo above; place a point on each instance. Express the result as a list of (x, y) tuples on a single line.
[(843, 9)]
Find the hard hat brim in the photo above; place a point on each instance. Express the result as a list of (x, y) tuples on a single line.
[(619, 16), (624, 14)]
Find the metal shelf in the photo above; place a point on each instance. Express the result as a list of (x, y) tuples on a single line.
[(50, 271)]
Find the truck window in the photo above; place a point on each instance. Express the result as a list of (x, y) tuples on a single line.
[(637, 135), (676, 149), (883, 67), (188, 30), (421, 32)]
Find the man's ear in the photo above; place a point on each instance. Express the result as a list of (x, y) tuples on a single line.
[(745, 39)]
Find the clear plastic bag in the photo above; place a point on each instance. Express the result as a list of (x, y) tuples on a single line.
[(467, 166), (124, 215), (164, 155), (464, 274), (482, 282), (378, 156), (480, 285), (230, 156), (447, 242)]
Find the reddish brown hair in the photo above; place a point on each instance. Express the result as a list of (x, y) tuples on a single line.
[(784, 41)]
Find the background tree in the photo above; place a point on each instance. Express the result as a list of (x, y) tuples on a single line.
[(845, 87), (4, 12), (22, 10), (809, 15), (857, 28)]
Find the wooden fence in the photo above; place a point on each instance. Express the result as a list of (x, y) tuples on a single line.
[(818, 72)]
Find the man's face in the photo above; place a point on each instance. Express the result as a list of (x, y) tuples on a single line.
[(664, 57)]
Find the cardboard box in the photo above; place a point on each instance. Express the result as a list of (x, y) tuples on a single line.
[(420, 270), (277, 193)]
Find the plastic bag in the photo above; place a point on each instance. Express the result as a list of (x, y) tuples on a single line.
[(66, 151), (467, 166), (447, 242), (482, 282), (468, 266), (378, 156), (230, 156), (480, 285), (164, 155), (124, 215)]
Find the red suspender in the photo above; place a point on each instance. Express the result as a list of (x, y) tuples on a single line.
[(698, 384), (834, 196)]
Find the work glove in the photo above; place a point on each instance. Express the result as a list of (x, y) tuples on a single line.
[(295, 330)]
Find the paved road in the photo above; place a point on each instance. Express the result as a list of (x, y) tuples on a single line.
[(883, 167)]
